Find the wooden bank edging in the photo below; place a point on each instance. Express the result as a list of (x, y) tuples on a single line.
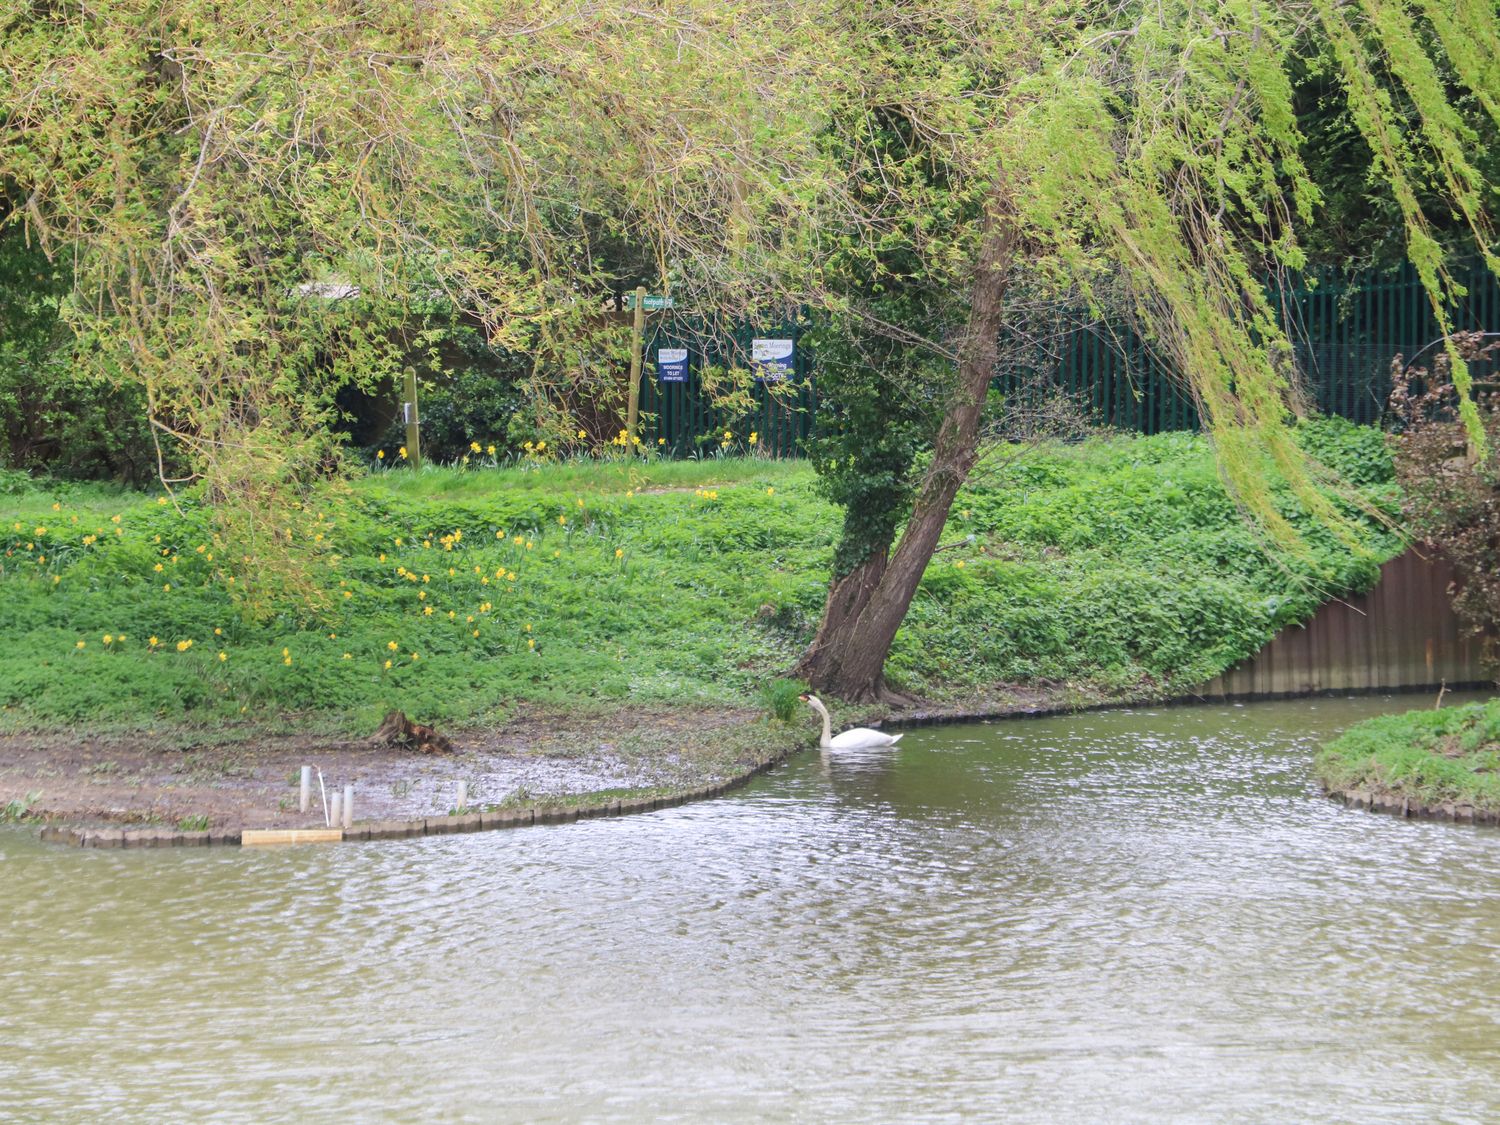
[(391, 829), (1460, 812)]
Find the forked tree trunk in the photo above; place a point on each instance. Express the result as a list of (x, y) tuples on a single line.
[(866, 607)]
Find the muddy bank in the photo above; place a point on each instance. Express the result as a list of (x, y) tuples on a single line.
[(246, 778)]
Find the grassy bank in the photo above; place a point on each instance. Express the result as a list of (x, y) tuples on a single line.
[(1429, 757), (1117, 565)]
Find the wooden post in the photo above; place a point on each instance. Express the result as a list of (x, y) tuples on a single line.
[(637, 346), (413, 433), (304, 795)]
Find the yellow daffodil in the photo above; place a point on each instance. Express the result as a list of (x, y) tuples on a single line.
[(380, 455), (223, 657), (80, 644), (619, 552), (401, 453), (387, 665), (474, 446), (348, 656), (108, 639), (153, 642), (490, 449)]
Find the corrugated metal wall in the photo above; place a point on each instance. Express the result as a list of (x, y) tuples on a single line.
[(1402, 634)]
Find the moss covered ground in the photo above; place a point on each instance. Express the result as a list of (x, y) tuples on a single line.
[(1117, 566), (1430, 757)]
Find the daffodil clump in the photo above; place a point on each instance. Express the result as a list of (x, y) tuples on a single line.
[(451, 595)]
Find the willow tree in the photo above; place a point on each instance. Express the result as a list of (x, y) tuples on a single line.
[(252, 199), (1150, 147)]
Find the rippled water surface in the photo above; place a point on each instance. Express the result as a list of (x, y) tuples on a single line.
[(1141, 916)]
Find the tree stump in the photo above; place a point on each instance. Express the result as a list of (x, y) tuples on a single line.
[(398, 730)]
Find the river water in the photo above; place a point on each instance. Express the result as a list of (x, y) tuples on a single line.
[(1144, 915)]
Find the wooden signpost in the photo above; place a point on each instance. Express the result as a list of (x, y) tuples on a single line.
[(640, 303)]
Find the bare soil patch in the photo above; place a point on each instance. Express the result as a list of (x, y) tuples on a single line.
[(240, 778)]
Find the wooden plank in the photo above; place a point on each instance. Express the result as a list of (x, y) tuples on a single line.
[(267, 837)]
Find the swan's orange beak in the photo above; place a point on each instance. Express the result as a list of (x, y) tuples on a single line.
[(803, 698)]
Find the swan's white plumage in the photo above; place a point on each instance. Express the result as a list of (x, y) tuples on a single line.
[(860, 738)]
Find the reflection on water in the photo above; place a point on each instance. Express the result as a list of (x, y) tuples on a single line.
[(1142, 915)]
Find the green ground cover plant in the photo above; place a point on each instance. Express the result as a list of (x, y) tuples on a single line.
[(1117, 565), (1431, 756)]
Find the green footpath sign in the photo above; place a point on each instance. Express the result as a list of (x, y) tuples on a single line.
[(650, 304)]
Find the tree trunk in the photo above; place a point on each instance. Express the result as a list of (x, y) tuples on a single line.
[(866, 607)]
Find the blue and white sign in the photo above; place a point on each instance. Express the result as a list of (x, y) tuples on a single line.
[(772, 360), (672, 365)]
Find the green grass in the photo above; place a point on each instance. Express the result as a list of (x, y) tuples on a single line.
[(1432, 756), (1118, 565)]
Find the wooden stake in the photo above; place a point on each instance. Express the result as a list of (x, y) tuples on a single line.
[(637, 347), (252, 837), (304, 796), (413, 432), (348, 806)]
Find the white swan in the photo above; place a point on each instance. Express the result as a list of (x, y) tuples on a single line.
[(859, 738)]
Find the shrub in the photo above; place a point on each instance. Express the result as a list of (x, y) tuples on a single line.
[(782, 697), (1453, 503)]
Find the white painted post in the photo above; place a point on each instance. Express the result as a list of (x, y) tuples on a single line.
[(304, 797), (463, 795), (335, 817), (348, 806)]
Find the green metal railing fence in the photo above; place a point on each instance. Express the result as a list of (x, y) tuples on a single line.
[(780, 414), (1345, 331)]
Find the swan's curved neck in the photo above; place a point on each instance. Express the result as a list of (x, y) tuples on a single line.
[(827, 739)]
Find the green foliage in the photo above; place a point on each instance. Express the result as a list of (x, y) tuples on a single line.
[(53, 416), (1452, 754), (18, 808), (781, 698), (1119, 564)]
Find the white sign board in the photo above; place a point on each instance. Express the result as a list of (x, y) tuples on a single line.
[(772, 360)]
